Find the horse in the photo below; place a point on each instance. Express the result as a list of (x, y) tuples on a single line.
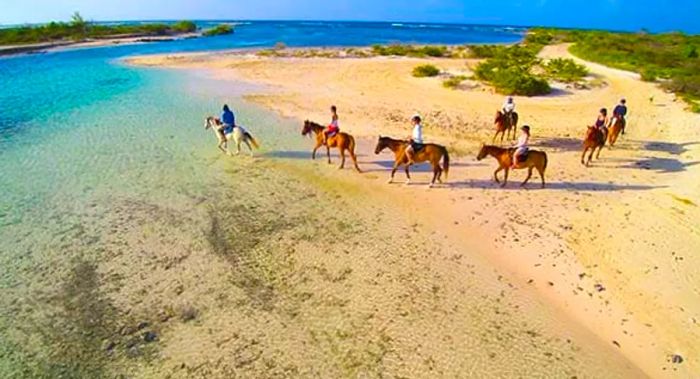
[(505, 124), (594, 139), (504, 156), (238, 135), (430, 152), (618, 125), (343, 141)]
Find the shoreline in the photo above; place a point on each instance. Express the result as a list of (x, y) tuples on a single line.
[(568, 272), (46, 47)]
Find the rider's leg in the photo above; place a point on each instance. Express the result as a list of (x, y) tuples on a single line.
[(409, 155)]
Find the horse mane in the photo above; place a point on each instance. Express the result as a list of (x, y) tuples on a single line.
[(499, 117)]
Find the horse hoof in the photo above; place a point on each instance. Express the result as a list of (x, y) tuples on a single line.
[(406, 183)]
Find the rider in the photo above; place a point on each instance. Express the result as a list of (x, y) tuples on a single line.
[(228, 119), (620, 111), (522, 146), (333, 127), (509, 105), (601, 122), (416, 140)]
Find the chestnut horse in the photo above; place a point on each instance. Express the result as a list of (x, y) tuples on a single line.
[(430, 152), (595, 139), (504, 125), (617, 125), (343, 141), (504, 157)]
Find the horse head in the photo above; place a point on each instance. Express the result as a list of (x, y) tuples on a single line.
[(210, 122), (482, 153), (382, 144), (307, 128)]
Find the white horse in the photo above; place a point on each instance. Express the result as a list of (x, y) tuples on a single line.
[(238, 135)]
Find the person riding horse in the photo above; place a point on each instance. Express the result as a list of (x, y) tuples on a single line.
[(416, 140), (509, 109), (228, 121), (521, 148), (601, 123), (333, 127), (620, 112)]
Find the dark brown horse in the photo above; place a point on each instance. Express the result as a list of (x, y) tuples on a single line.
[(343, 141), (504, 157), (617, 126), (430, 152), (505, 124), (594, 139)]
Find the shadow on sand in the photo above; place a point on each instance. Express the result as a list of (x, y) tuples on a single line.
[(514, 184), (661, 165)]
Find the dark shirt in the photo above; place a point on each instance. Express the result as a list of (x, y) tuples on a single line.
[(620, 110)]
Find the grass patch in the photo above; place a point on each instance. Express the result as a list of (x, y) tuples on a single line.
[(454, 82), (402, 50), (565, 70), (218, 30), (425, 70)]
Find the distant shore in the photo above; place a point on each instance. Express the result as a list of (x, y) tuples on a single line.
[(38, 48)]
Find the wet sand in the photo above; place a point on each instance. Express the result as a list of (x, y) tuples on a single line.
[(611, 249)]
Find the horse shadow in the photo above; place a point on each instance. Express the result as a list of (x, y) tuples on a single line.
[(660, 165), (560, 143), (386, 166), (667, 147), (534, 184), (305, 155)]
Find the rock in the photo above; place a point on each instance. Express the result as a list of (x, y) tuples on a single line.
[(675, 358), (599, 287), (150, 336)]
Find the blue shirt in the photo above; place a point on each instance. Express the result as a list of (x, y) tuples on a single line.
[(620, 110), (228, 118)]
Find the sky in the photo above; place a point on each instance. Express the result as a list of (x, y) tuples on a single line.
[(653, 15)]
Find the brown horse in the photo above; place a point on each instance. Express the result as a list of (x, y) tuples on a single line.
[(430, 152), (617, 126), (343, 141), (504, 157), (505, 124), (595, 139)]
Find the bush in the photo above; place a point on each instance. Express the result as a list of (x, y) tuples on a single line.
[(401, 50), (454, 82), (426, 70), (218, 30), (509, 71), (184, 27), (565, 70), (648, 75)]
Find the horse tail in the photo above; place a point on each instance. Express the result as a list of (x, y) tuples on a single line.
[(446, 162), (544, 166), (252, 140)]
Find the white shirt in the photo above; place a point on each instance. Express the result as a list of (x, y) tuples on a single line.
[(522, 141), (418, 133), (508, 107)]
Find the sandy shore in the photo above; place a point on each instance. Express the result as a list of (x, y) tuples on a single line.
[(614, 247)]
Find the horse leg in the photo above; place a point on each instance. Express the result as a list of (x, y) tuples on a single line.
[(342, 157), (540, 170), (328, 153), (435, 175), (583, 155), (408, 175), (249, 147), (590, 157), (221, 146), (529, 174), (393, 171), (505, 178), (598, 155), (495, 174), (313, 153), (238, 146), (354, 160)]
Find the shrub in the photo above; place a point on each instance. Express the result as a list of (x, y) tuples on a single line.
[(565, 70), (218, 30), (648, 75), (426, 70), (184, 27), (280, 46), (454, 82), (401, 50)]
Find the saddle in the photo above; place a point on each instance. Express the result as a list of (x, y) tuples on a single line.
[(520, 157)]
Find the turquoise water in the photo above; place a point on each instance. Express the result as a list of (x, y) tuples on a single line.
[(92, 151)]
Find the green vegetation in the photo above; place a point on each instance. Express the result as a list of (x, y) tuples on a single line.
[(672, 57), (410, 51), (79, 29), (565, 70), (454, 81), (509, 70), (218, 30), (426, 70)]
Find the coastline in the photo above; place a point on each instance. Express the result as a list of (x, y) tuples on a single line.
[(566, 261), (40, 48)]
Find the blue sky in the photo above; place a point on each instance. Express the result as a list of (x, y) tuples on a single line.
[(608, 14)]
